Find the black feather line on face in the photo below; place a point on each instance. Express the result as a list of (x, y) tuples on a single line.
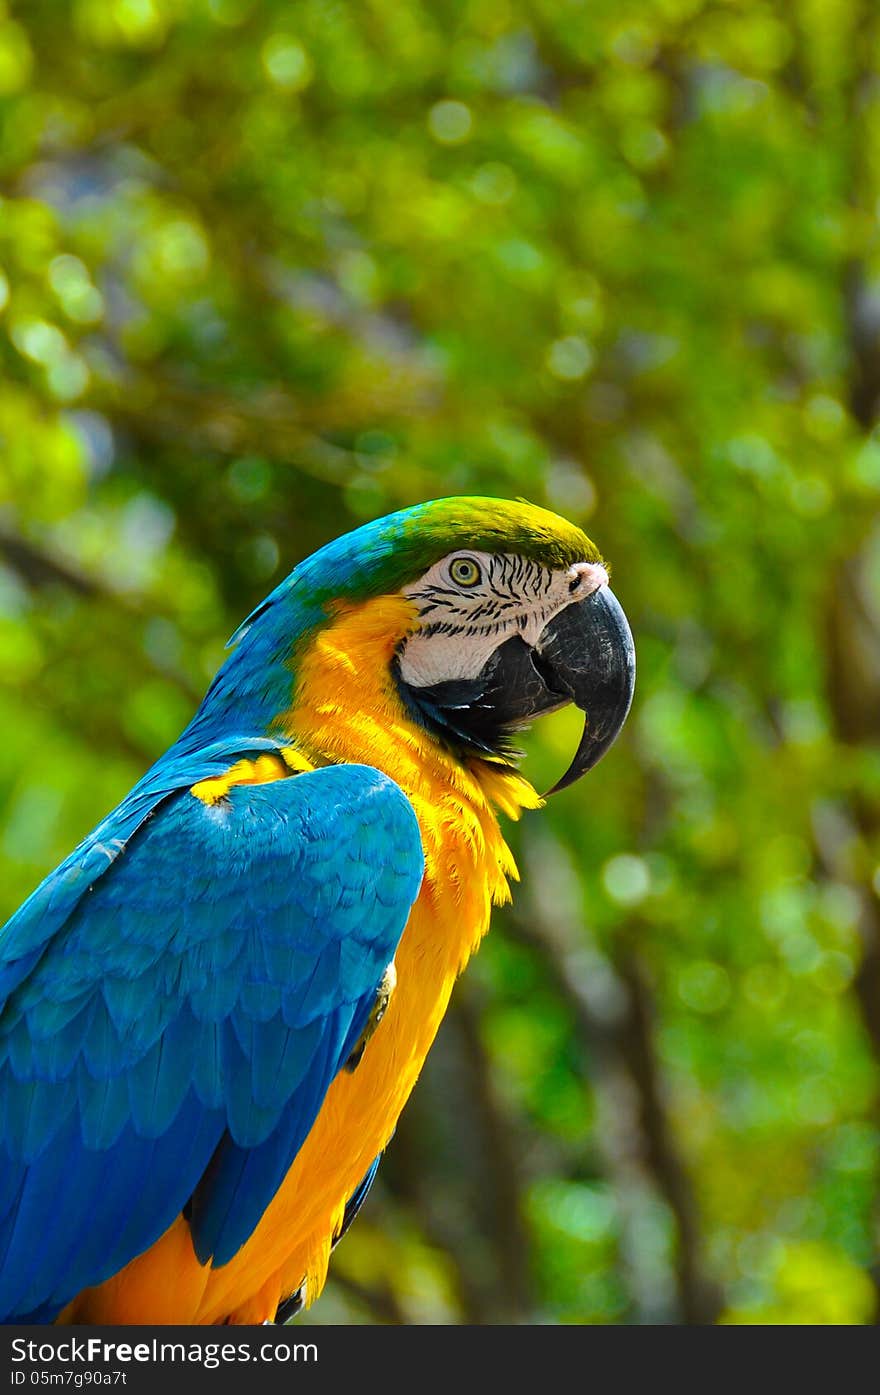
[(490, 582), (438, 593)]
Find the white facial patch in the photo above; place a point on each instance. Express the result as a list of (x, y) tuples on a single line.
[(469, 603)]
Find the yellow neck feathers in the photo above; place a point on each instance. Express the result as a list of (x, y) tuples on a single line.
[(347, 708)]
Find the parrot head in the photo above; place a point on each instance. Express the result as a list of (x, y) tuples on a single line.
[(505, 614), (514, 619)]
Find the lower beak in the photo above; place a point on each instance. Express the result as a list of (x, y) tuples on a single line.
[(586, 656)]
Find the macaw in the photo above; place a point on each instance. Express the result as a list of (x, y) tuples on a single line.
[(214, 1010)]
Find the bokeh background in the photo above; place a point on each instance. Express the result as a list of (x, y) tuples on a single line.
[(272, 269)]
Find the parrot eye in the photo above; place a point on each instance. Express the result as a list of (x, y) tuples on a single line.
[(465, 571)]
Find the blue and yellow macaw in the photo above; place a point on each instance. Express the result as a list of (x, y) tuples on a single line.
[(214, 1010)]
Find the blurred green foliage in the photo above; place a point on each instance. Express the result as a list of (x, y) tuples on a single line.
[(271, 269)]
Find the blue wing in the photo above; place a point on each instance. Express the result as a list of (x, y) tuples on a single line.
[(181, 993)]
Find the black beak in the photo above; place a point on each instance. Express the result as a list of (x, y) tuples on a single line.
[(585, 655)]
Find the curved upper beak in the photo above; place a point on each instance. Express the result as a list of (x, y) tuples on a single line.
[(586, 655)]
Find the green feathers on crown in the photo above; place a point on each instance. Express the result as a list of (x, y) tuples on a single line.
[(397, 549)]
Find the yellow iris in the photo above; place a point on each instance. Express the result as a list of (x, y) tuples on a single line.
[(465, 571)]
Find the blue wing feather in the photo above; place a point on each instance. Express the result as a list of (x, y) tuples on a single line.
[(179, 996)]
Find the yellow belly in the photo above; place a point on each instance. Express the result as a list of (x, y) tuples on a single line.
[(467, 866)]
